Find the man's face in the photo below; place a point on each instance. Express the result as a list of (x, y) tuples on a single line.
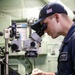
[(52, 26)]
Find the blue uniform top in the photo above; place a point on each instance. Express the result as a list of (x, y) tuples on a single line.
[(66, 59)]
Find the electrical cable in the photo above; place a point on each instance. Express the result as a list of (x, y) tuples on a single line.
[(10, 67), (4, 62)]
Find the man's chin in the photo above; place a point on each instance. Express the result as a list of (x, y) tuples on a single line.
[(54, 37)]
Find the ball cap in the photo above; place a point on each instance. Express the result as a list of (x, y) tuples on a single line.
[(46, 11)]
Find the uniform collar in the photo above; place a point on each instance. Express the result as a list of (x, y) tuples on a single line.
[(70, 32)]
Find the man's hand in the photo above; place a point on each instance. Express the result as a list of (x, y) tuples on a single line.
[(37, 71)]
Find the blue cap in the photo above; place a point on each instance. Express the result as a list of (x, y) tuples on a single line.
[(46, 11)]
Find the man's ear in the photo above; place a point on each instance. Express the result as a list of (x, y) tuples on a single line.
[(56, 17)]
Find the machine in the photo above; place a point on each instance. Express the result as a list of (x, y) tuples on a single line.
[(30, 45)]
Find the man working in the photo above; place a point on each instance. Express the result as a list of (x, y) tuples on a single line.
[(58, 23)]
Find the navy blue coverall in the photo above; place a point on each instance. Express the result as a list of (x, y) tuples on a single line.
[(66, 59)]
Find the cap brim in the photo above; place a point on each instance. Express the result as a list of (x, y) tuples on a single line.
[(36, 25)]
